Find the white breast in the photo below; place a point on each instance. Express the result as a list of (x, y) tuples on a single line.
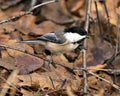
[(61, 48), (74, 37)]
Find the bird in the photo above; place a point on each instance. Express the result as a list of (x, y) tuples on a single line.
[(62, 41)]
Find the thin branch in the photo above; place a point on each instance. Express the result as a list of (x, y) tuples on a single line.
[(97, 69), (39, 5), (109, 61), (14, 18), (85, 43), (105, 70), (108, 24), (117, 42), (113, 85), (99, 22), (25, 51), (50, 92), (52, 81), (68, 68), (63, 84), (63, 22), (84, 72), (20, 50)]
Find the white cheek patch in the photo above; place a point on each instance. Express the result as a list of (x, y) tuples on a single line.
[(74, 37)]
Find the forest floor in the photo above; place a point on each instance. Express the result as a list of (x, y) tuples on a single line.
[(25, 68)]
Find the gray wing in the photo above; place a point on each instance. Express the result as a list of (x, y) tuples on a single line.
[(52, 37)]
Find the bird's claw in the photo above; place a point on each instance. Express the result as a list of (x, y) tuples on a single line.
[(52, 62)]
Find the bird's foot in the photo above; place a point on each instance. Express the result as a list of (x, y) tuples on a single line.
[(51, 61)]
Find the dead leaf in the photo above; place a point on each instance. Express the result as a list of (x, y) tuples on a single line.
[(4, 38), (27, 63), (7, 61), (55, 12), (28, 80), (58, 76), (14, 44), (99, 66), (118, 10), (11, 81), (96, 55), (4, 4), (26, 92), (96, 84), (27, 25), (78, 5)]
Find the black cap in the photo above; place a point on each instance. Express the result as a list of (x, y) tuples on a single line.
[(75, 29)]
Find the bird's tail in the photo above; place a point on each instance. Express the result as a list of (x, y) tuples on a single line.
[(32, 42)]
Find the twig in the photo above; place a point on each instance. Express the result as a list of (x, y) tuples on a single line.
[(109, 61), (52, 82), (68, 68), (50, 92), (20, 50), (117, 43), (14, 18), (99, 23), (113, 85), (63, 22), (84, 72), (39, 5), (97, 69), (108, 24), (25, 51), (84, 51), (63, 84), (84, 69), (116, 71)]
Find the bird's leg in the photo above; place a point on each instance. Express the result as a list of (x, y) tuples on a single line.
[(51, 60)]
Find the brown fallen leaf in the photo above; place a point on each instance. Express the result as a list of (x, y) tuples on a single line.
[(7, 61), (114, 64), (27, 92), (14, 44), (55, 12), (118, 10), (58, 76), (4, 4), (24, 62), (100, 52), (42, 80), (95, 84), (63, 4), (70, 91), (24, 25), (11, 81), (4, 38), (27, 63), (78, 5), (111, 5), (99, 66)]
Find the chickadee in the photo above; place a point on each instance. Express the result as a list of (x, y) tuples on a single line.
[(61, 41)]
